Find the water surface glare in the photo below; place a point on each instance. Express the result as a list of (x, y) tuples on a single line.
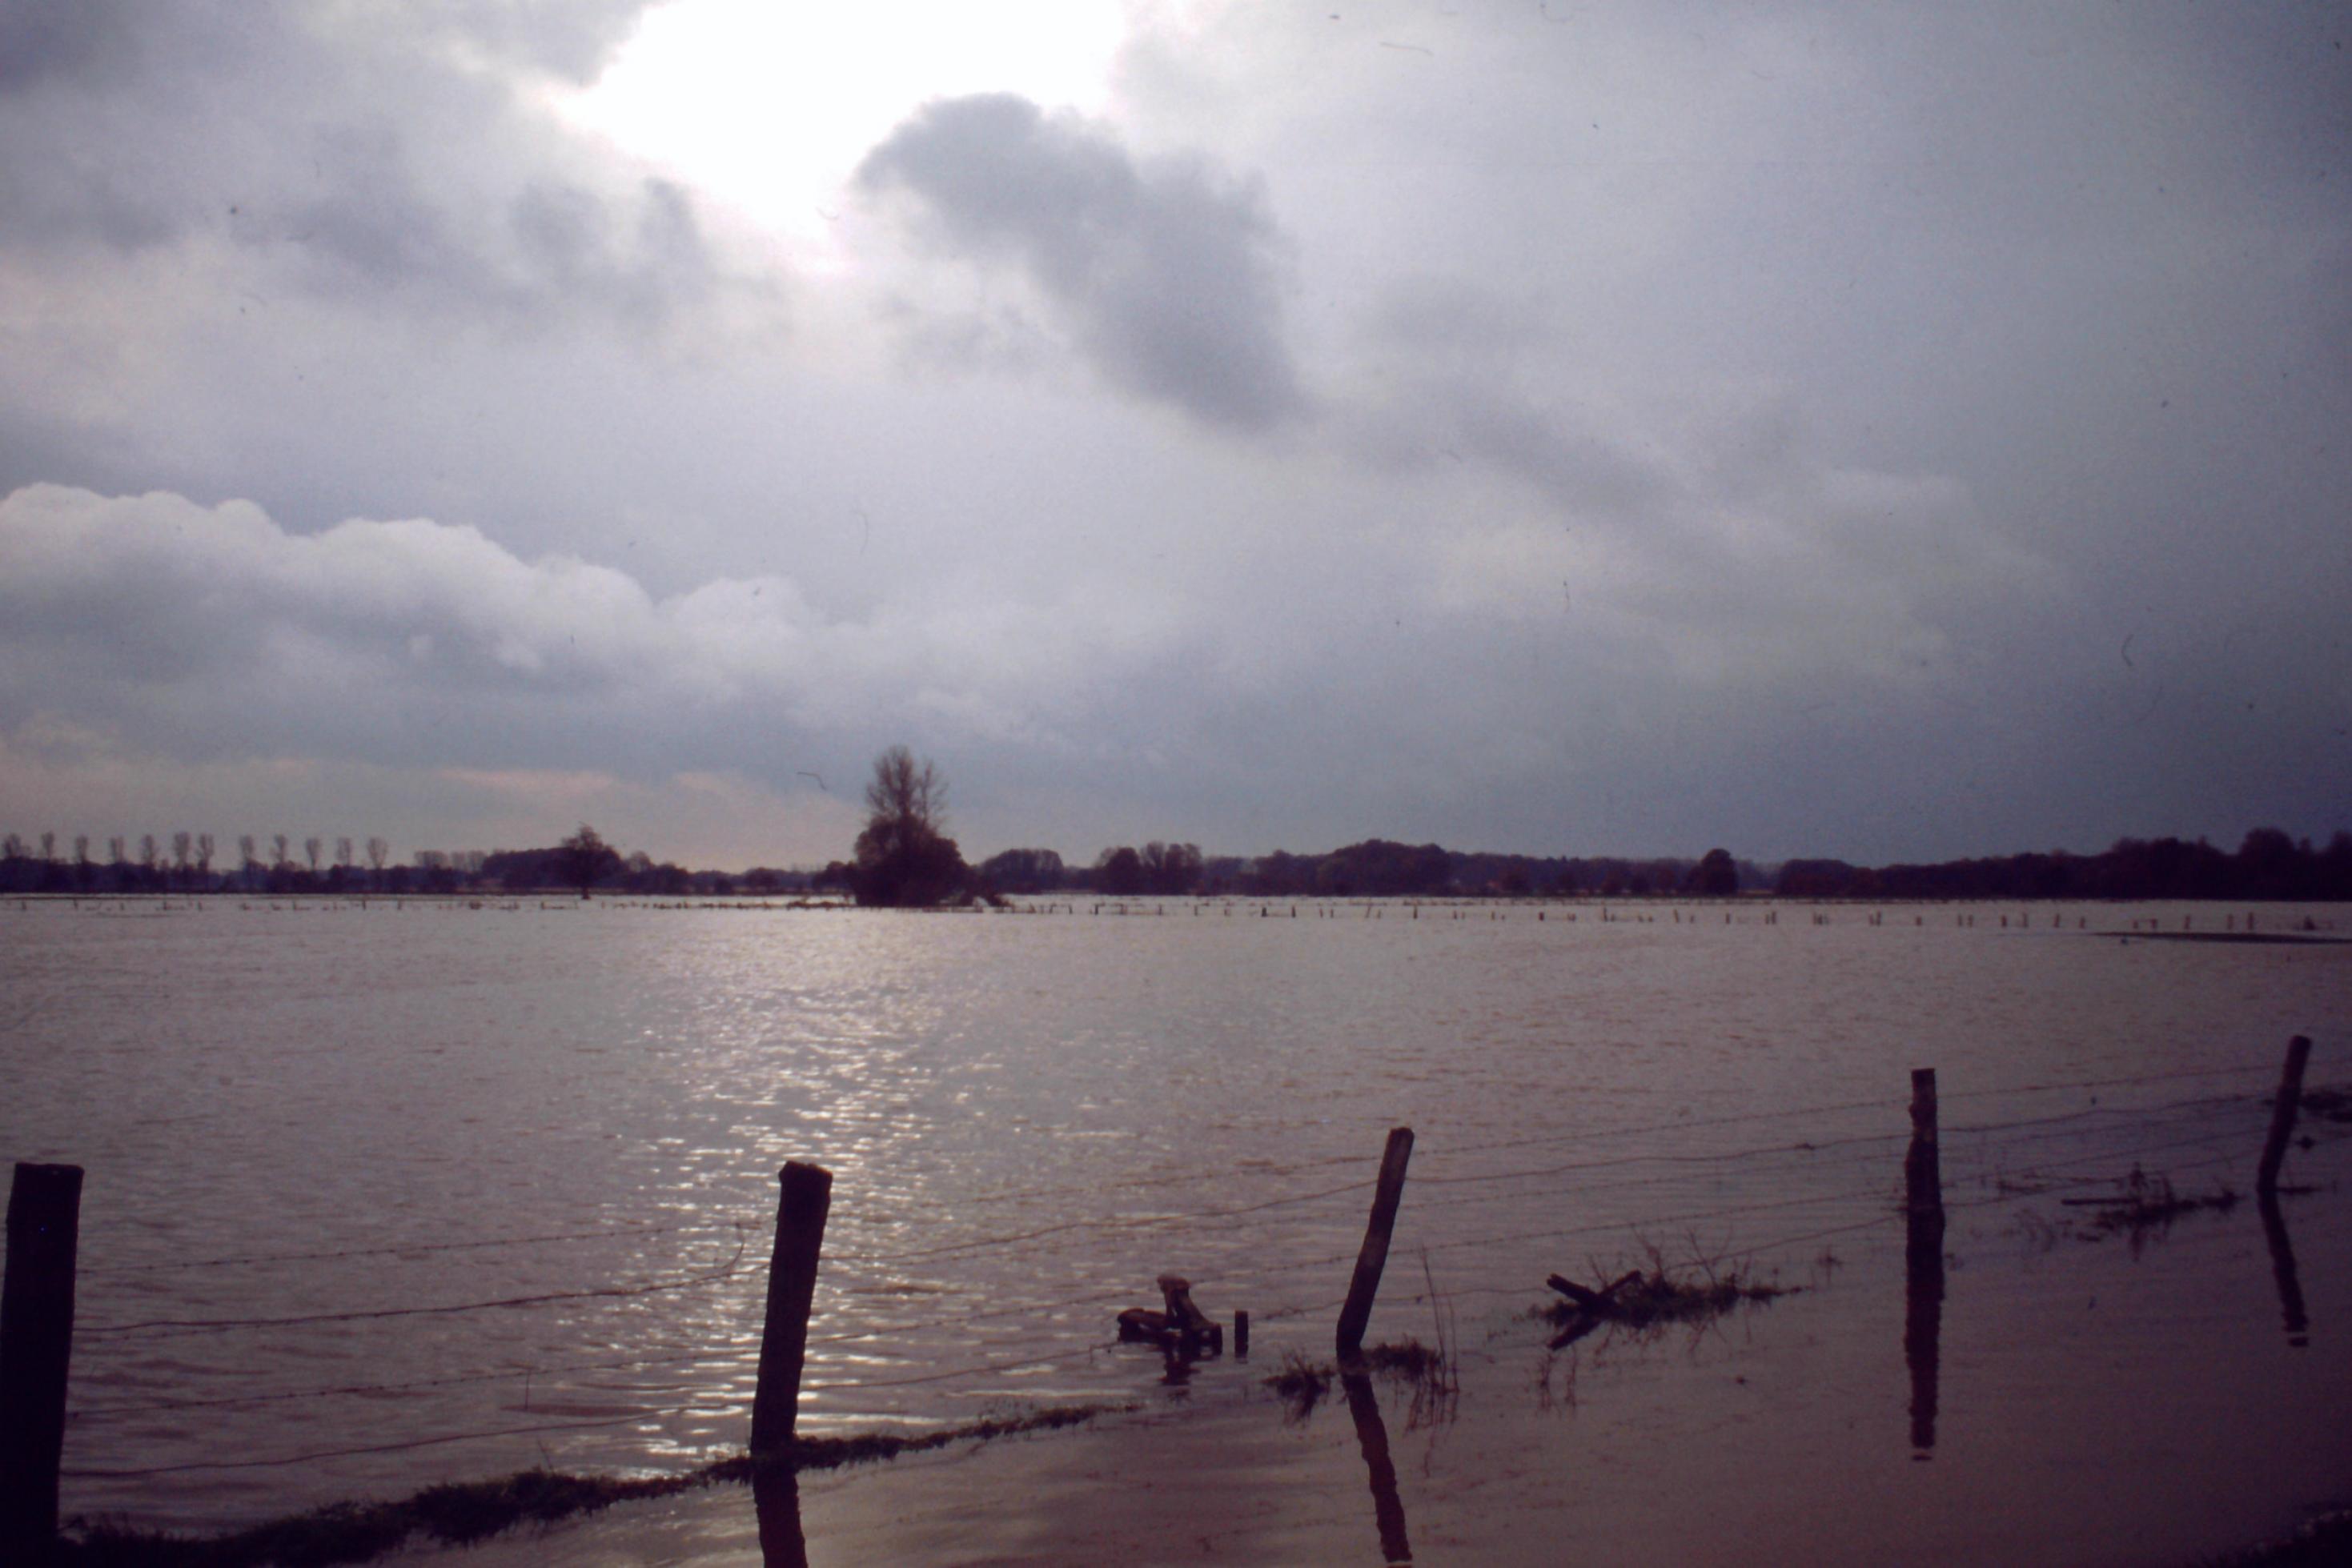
[(379, 1196)]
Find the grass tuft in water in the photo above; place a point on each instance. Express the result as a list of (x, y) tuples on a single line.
[(2149, 1203), (1659, 1298), (1646, 1301), (1301, 1383), (2329, 1104)]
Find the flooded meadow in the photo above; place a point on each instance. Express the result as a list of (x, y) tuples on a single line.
[(384, 1195)]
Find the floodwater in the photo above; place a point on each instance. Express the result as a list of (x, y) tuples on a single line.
[(384, 1196)]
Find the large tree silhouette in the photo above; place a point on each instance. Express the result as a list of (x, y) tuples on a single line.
[(905, 858), (584, 860)]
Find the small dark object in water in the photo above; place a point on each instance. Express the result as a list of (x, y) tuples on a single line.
[(1639, 1301), (1183, 1327), (1592, 1300)]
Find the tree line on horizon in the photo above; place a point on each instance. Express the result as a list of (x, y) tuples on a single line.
[(2267, 866), (186, 864), (1375, 868), (904, 857)]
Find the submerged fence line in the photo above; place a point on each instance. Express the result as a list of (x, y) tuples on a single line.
[(164, 1327), (2134, 1151), (1195, 1218), (1877, 1104), (1224, 1176), (1974, 1152), (1808, 1148), (1052, 1356)]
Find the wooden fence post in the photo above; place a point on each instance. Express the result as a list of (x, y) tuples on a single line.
[(791, 1287), (2282, 1113), (1923, 1175), (1357, 1315), (37, 1310), (1923, 1254)]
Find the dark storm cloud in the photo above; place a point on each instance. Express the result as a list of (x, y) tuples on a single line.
[(1447, 372), (1165, 271), (67, 39), (42, 39), (1816, 429), (347, 153)]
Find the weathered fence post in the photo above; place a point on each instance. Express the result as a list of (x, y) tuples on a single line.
[(1923, 1251), (791, 1287), (1357, 1315), (37, 1308), (2282, 1113), (1923, 1175), (1241, 1333)]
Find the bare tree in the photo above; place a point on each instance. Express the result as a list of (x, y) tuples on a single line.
[(312, 848), (147, 851), (11, 847), (248, 856), (907, 792), (48, 846), (904, 855), (278, 845), (378, 851), (205, 853), (116, 851), (183, 850), (343, 850), (82, 849)]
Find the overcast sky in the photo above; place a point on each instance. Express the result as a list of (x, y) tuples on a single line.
[(1889, 432)]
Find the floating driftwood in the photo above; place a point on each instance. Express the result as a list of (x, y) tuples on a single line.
[(1183, 1327), (1640, 1301), (1597, 1301), (2147, 1202)]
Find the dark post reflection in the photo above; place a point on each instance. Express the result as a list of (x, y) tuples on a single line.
[(1922, 1325), (1923, 1307), (2290, 1288), (776, 1493), (1372, 1436)]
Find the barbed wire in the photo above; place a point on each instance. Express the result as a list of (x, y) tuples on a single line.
[(1889, 1218), (112, 1270), (172, 1327), (1137, 1222)]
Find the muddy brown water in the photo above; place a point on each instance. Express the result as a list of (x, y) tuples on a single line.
[(321, 1139)]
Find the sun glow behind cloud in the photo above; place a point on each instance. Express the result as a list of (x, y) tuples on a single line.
[(767, 110)]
